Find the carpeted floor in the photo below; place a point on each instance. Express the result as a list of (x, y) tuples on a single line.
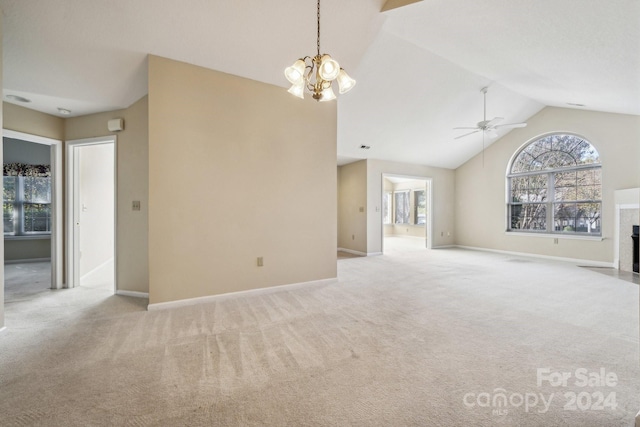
[(418, 337)]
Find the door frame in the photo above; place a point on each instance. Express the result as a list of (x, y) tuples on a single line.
[(73, 207), (57, 212), (428, 182)]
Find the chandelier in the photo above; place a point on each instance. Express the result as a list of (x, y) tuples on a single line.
[(316, 74)]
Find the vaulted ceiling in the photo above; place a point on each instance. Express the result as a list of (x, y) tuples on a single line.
[(420, 68)]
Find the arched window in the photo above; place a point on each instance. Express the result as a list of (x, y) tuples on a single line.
[(555, 186)]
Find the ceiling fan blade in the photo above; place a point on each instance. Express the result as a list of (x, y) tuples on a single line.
[(511, 125), (493, 121), (467, 134), (470, 127)]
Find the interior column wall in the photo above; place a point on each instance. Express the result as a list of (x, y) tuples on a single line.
[(238, 170)]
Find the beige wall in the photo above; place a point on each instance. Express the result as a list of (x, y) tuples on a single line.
[(32, 122), (442, 195), (237, 170), (25, 249), (352, 197), (480, 195), (132, 184)]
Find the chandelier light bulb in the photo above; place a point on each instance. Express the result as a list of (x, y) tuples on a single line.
[(329, 68), (297, 90), (345, 83), (327, 95), (295, 73)]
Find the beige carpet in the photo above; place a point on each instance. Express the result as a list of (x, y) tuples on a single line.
[(401, 339)]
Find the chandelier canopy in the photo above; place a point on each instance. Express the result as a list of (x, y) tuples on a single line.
[(317, 74)]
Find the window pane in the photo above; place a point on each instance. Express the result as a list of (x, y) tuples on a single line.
[(386, 208), (420, 207), (519, 188), (37, 190), (588, 218), (564, 216), (530, 216), (7, 211), (402, 207), (537, 188), (37, 217), (9, 188)]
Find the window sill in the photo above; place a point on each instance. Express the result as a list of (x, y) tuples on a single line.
[(29, 237), (555, 236)]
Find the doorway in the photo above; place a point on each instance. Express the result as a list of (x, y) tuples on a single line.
[(406, 213), (36, 222), (91, 207)]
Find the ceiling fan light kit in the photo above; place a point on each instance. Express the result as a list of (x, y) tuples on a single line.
[(317, 73)]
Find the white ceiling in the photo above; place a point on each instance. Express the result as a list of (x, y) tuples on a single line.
[(419, 68)]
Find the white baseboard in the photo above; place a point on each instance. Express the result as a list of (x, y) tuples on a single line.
[(582, 262), (351, 251), (133, 294), (22, 261), (374, 253), (222, 297)]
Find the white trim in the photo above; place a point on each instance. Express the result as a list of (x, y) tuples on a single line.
[(133, 294), (555, 236), (56, 200), (616, 230), (350, 251), (221, 297), (577, 261), (8, 133), (428, 187), (27, 237), (26, 261), (72, 194)]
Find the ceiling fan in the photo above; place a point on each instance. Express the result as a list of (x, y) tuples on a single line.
[(488, 126)]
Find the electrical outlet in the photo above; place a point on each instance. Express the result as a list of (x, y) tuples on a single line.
[(353, 237), (260, 261), (135, 205), (361, 209), (555, 241)]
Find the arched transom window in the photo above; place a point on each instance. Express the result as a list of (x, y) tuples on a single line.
[(555, 186)]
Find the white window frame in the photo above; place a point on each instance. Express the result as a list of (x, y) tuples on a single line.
[(550, 202), (19, 213)]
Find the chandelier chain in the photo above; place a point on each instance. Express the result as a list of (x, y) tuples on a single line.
[(318, 40)]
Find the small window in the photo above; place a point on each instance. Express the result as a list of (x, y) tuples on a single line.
[(555, 186), (386, 208), (26, 205), (419, 207), (403, 207)]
